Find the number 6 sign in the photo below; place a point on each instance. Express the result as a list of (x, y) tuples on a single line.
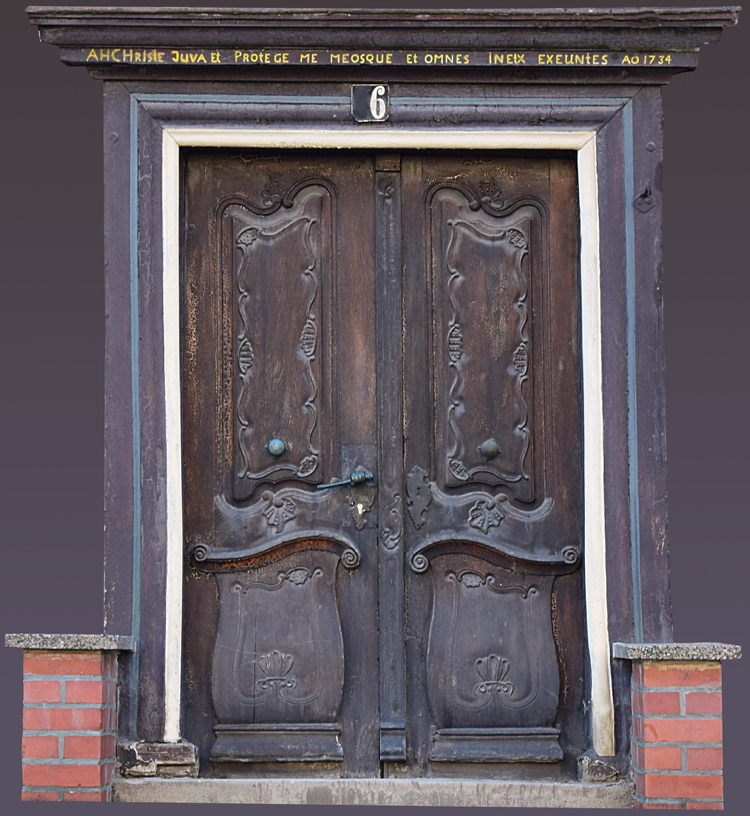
[(370, 103)]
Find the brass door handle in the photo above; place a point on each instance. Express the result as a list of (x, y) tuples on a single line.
[(358, 476)]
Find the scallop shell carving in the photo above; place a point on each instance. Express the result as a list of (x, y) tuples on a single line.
[(521, 360), (517, 238), (455, 343), (248, 236), (278, 511), (309, 338), (245, 356), (485, 514)]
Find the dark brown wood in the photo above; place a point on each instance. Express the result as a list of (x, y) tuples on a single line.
[(497, 335), (119, 522), (392, 666), (153, 533), (650, 366), (279, 264), (279, 342), (667, 27)]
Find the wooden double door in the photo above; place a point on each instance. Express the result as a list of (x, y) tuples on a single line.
[(408, 324)]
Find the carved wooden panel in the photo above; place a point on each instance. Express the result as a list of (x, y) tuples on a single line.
[(483, 335), (491, 659), (278, 664), (279, 654), (281, 262), (497, 462)]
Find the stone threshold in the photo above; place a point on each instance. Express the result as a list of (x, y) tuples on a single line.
[(428, 792)]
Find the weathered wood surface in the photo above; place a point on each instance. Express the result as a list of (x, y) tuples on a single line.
[(296, 270)]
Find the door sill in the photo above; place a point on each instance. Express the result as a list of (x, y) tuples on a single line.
[(433, 792)]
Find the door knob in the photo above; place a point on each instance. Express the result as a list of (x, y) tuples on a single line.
[(358, 476), (489, 449), (276, 447)]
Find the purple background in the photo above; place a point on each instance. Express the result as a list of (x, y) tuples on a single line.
[(51, 360)]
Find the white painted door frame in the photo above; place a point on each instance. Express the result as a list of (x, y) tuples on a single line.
[(584, 142)]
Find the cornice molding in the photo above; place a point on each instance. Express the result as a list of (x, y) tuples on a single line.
[(642, 28)]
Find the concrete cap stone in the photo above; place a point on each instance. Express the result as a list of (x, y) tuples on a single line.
[(72, 643), (676, 651)]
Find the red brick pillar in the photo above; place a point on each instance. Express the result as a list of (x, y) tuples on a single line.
[(69, 724), (69, 714), (677, 732), (676, 745)]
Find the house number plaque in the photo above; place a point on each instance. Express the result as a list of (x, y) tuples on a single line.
[(370, 103)]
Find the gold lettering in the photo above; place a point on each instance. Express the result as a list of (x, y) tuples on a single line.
[(127, 55), (335, 57), (604, 59), (596, 59), (215, 56), (116, 51), (411, 59), (160, 56), (104, 54), (389, 59), (521, 59), (175, 56), (92, 55), (138, 56)]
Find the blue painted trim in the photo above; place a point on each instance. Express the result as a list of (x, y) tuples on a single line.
[(559, 102), (635, 516), (135, 390), (239, 99)]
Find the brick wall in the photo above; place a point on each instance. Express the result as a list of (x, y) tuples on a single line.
[(69, 721), (677, 735)]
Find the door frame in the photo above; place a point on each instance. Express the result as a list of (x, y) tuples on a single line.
[(161, 124), (584, 143)]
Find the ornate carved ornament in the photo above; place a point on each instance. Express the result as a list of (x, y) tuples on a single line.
[(491, 520)]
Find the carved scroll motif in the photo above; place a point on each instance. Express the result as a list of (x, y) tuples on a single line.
[(391, 523), (484, 513)]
